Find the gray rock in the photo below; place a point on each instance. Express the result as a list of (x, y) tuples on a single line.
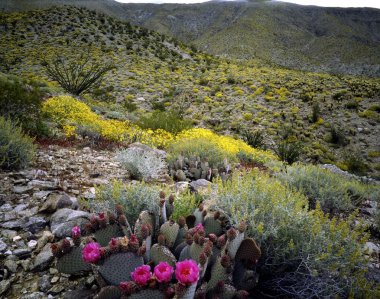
[(373, 249), (11, 265), (8, 216), (43, 259), (20, 207), (146, 148), (41, 194), (55, 279), (3, 246), (28, 212), (34, 295), (22, 189), (25, 264), (64, 202), (4, 286), (32, 244), (43, 185), (55, 290), (44, 283), (200, 185), (56, 201), (35, 224), (22, 253), (63, 220), (7, 233), (15, 224), (6, 207)]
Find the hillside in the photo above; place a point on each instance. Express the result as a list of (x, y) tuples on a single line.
[(157, 73), (333, 40)]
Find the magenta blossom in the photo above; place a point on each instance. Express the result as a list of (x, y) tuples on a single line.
[(163, 272), (141, 275), (75, 232), (199, 227), (91, 252), (187, 272)]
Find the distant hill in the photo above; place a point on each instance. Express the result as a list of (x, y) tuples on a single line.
[(334, 40)]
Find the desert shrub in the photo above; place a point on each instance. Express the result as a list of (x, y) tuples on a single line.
[(337, 136), (16, 149), (142, 164), (316, 112), (305, 253), (288, 151), (254, 138), (354, 161), (185, 204), (168, 121), (334, 192), (134, 197), (21, 101), (201, 147)]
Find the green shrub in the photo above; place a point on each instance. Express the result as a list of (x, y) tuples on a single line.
[(338, 136), (334, 192), (16, 149), (168, 121), (185, 204), (305, 254), (288, 151), (133, 197), (355, 162), (316, 112), (21, 101), (254, 138)]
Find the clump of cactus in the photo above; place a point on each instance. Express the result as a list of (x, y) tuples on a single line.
[(202, 258)]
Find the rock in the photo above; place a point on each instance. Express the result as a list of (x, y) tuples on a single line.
[(146, 148), (41, 194), (22, 189), (4, 286), (32, 244), (6, 207), (15, 224), (29, 212), (373, 249), (34, 295), (16, 238), (43, 259), (180, 175), (35, 224), (56, 201), (8, 216), (181, 187), (200, 185), (9, 234), (44, 283), (22, 253), (54, 280), (47, 237), (55, 290), (11, 265), (3, 246), (25, 264), (63, 220), (43, 185), (20, 207)]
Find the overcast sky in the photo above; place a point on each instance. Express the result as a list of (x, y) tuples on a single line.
[(334, 3)]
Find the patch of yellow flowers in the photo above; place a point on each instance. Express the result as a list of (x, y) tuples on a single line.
[(70, 114)]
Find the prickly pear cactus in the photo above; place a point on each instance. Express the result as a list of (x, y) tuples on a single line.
[(170, 230), (160, 253), (72, 262), (109, 292), (248, 252), (117, 267), (148, 294), (104, 235), (219, 272), (212, 226), (243, 278), (235, 238)]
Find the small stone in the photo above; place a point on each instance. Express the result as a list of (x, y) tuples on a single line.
[(54, 280), (63, 220), (44, 283), (11, 265), (9, 234), (373, 249), (41, 194), (53, 271), (8, 216), (16, 224), (32, 244), (25, 264), (42, 185), (35, 224), (3, 246), (20, 207), (34, 295), (16, 238), (90, 281), (200, 185), (22, 189), (6, 207), (82, 294), (55, 290), (47, 237), (4, 286), (43, 259), (22, 253)]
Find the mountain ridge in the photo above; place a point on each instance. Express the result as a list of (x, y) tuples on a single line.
[(331, 40)]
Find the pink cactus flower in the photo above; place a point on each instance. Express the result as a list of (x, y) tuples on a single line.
[(199, 227), (187, 272), (141, 275), (75, 232), (91, 252), (163, 272)]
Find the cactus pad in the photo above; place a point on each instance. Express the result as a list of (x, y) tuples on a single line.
[(218, 273), (195, 251), (159, 253), (148, 294), (109, 292), (213, 226), (233, 246), (118, 267), (248, 252), (104, 235), (243, 278), (72, 262), (170, 230)]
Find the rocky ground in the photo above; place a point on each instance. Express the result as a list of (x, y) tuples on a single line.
[(39, 206)]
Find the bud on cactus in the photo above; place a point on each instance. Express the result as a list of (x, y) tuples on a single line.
[(55, 249), (169, 293), (134, 243), (221, 241), (162, 202), (242, 227), (189, 239), (196, 238), (201, 240), (208, 249), (94, 222), (111, 218), (225, 261), (128, 287), (123, 220), (119, 210), (216, 215), (114, 245), (141, 251), (171, 199), (202, 259), (161, 240), (145, 230), (65, 246), (231, 233), (104, 251), (123, 243), (181, 221), (102, 220), (88, 228), (212, 238), (162, 194)]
